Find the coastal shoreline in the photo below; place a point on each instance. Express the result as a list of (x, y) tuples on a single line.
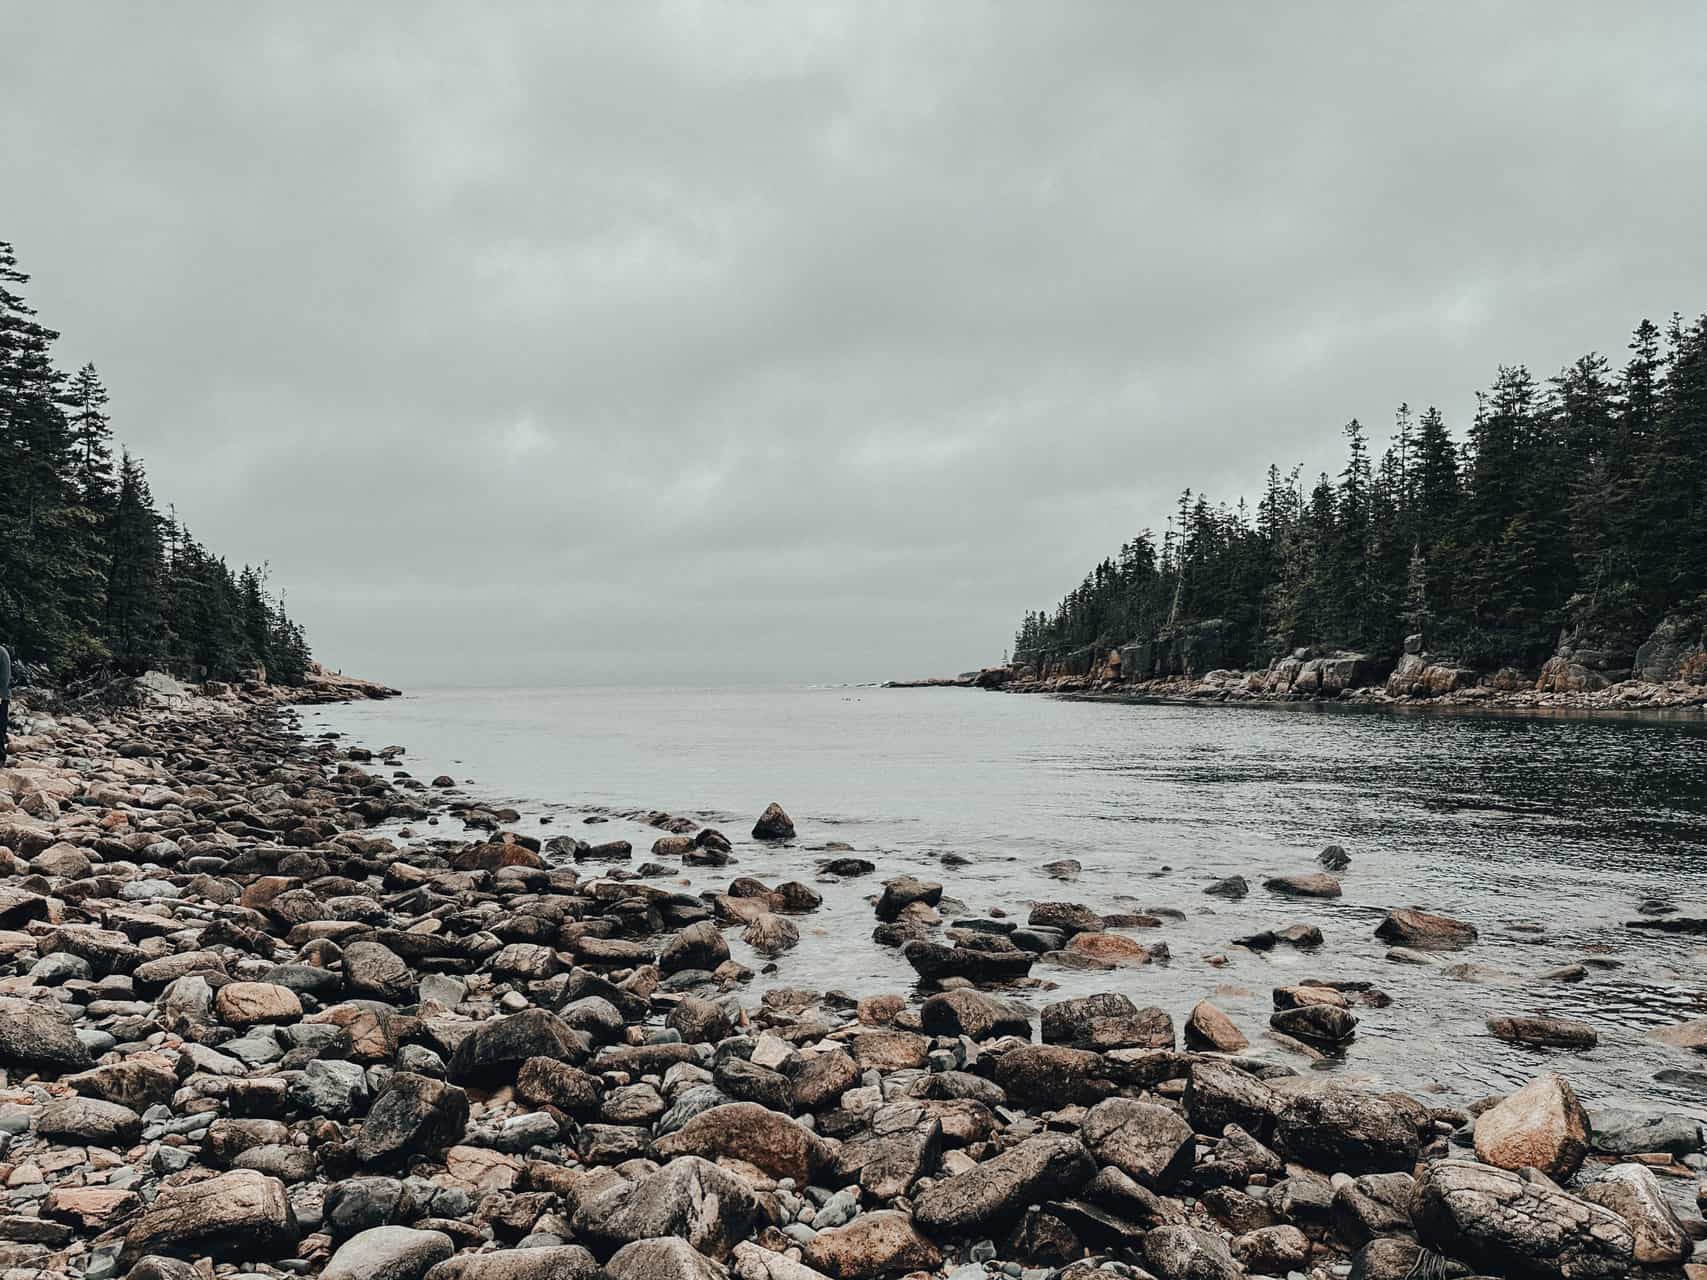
[(244, 1025), (1245, 688)]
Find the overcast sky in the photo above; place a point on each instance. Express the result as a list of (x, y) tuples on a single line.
[(567, 342)]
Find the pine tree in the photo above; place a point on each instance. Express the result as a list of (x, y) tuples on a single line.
[(135, 629), (91, 438)]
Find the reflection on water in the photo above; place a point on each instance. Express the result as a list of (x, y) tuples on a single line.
[(1567, 823)]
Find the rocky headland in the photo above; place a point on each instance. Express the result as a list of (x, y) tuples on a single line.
[(1666, 673), (272, 1006)]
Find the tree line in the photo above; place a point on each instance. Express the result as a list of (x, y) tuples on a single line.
[(1575, 507), (93, 577)]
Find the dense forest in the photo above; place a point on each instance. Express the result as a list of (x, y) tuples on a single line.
[(1575, 507), (93, 579)]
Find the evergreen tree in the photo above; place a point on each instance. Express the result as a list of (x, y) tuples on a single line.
[(1576, 508), (135, 629), (88, 570)]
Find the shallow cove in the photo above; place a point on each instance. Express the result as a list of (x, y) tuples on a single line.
[(1566, 822)]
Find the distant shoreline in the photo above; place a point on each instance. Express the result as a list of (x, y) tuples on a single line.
[(1630, 698)]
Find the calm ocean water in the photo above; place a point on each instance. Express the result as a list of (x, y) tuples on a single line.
[(1511, 823)]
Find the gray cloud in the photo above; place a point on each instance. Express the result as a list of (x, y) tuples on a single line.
[(683, 341)]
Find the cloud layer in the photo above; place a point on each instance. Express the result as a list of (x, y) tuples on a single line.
[(690, 342)]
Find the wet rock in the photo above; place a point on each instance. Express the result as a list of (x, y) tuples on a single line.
[(1208, 1028), (1036, 1169), (1069, 1021), (699, 946), (1309, 884), (1066, 917), (773, 824), (1334, 858), (1108, 949), (388, 1253), (1424, 931), (1541, 1126), (1633, 1193), (771, 935), (902, 892), (689, 1198), (936, 961), (1062, 869), (1502, 1223), (874, 1244), (1231, 887), (1626, 1133), (763, 1138), (1344, 1131), (1316, 1023), (240, 1214), (1150, 1144), (1549, 1033)]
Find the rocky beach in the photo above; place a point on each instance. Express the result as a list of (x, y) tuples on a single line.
[(274, 1006)]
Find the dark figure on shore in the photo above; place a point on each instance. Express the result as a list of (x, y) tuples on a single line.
[(5, 700)]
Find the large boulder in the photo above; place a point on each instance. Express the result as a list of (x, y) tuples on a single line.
[(388, 1253), (496, 1050), (689, 1198), (1207, 1028), (1633, 1193), (37, 1037), (873, 1244), (1148, 1143), (936, 961), (416, 1115), (1541, 1126), (1503, 1223), (976, 1014), (902, 892), (236, 1215), (663, 1259), (1040, 1168), (552, 1262), (773, 824), (1218, 1094), (1344, 1131), (763, 1138), (1187, 1253), (1424, 931), (1053, 1075), (699, 946)]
